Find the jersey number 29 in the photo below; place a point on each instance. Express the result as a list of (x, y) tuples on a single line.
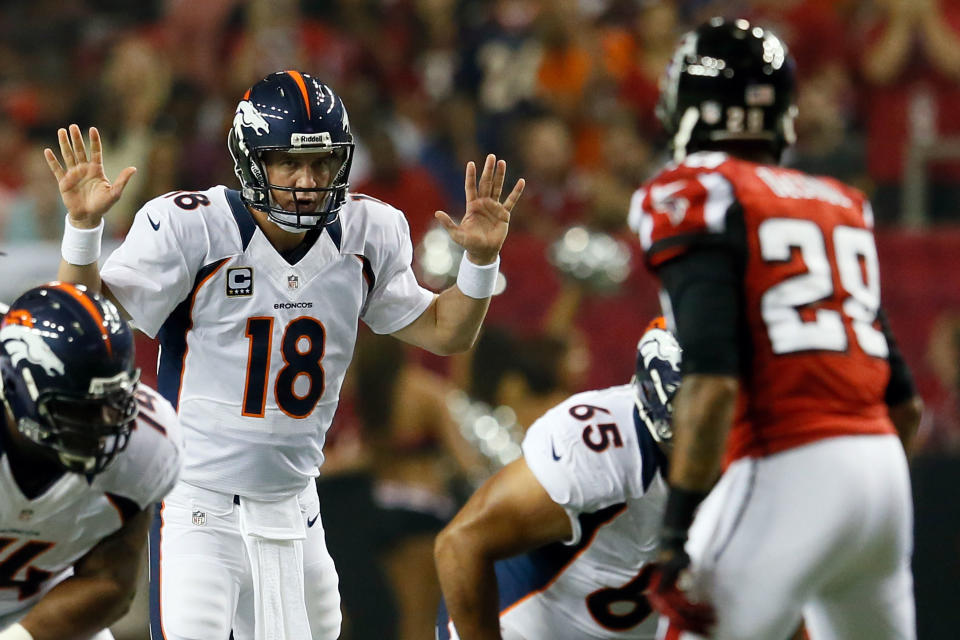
[(301, 347), (854, 260)]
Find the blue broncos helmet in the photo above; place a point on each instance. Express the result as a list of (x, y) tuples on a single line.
[(67, 374), (293, 112), (656, 380)]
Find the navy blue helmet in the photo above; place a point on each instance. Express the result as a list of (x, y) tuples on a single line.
[(657, 379), (67, 374), (728, 81), (296, 113)]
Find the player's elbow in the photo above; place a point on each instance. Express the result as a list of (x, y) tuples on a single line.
[(445, 546), (452, 343), (452, 548)]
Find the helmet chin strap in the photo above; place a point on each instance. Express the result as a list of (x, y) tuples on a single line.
[(290, 226)]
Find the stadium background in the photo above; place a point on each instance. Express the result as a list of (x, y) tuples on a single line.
[(565, 92)]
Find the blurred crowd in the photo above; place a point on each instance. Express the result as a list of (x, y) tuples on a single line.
[(566, 92)]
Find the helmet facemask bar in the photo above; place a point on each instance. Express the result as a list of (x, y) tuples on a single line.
[(654, 402), (85, 430), (334, 196), (656, 381)]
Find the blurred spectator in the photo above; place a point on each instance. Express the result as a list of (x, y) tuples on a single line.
[(138, 81), (500, 57), (826, 143), (408, 187), (655, 33), (940, 431), (911, 65), (555, 196), (34, 211)]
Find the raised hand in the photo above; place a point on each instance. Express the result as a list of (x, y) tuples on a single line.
[(484, 225), (86, 192)]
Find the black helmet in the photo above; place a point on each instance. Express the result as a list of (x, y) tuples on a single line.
[(67, 374), (728, 81), (296, 113)]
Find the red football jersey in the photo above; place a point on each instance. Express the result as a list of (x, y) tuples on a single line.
[(818, 358)]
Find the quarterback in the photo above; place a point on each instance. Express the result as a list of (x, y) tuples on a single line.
[(558, 544), (85, 452), (256, 295), (792, 381)]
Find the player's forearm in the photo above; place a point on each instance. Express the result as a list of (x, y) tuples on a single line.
[(469, 586), (459, 318), (449, 325), (703, 413), (78, 607), (88, 275)]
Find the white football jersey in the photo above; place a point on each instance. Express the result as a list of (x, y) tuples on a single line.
[(595, 459), (253, 348), (41, 539)]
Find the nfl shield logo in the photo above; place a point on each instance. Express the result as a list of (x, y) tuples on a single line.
[(199, 518), (26, 514), (293, 282)]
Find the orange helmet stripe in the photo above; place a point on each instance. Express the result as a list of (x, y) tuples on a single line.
[(91, 308), (657, 323), (19, 316), (298, 78)]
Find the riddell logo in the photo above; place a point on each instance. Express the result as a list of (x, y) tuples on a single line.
[(310, 139)]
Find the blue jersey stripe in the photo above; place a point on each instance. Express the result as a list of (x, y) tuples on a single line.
[(156, 629), (245, 221), (173, 339)]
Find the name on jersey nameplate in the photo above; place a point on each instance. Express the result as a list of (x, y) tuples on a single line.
[(239, 282)]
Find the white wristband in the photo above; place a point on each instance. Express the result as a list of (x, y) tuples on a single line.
[(477, 281), (80, 247), (16, 632)]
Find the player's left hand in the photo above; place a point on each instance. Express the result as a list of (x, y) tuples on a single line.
[(667, 593), (484, 226)]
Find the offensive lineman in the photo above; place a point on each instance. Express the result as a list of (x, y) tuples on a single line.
[(557, 544), (772, 280), (256, 295), (86, 452)]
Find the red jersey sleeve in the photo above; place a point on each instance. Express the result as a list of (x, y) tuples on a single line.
[(681, 207)]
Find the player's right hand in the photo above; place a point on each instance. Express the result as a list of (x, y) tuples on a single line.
[(86, 192), (666, 594)]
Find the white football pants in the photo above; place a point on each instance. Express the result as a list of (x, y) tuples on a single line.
[(201, 585), (823, 531)]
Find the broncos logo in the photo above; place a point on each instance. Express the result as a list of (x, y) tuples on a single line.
[(23, 343), (248, 116), (657, 343)]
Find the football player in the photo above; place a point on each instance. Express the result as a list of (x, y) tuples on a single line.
[(255, 295), (792, 378), (85, 452), (558, 543)]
